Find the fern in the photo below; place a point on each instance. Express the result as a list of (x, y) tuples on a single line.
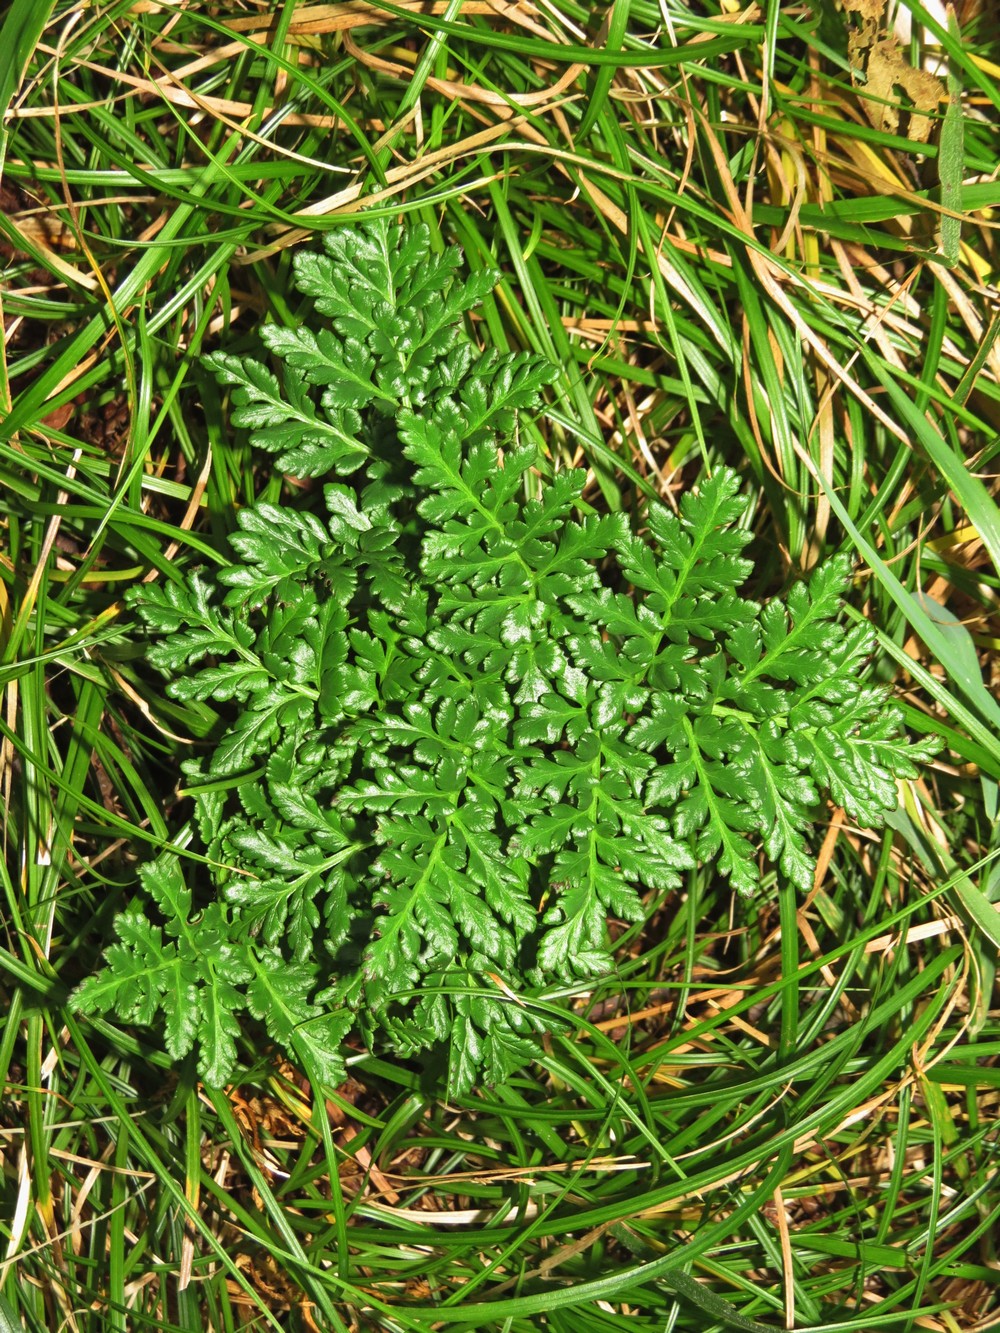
[(473, 720)]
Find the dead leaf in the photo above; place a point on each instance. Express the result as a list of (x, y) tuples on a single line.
[(868, 20), (882, 71)]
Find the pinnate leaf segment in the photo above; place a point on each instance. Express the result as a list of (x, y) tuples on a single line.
[(465, 721)]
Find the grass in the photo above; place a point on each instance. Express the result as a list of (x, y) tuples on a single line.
[(777, 1113)]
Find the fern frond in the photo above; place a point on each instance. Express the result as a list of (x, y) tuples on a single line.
[(474, 722)]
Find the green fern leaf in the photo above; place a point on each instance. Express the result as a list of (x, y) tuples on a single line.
[(464, 723)]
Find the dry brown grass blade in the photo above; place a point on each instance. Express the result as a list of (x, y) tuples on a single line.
[(312, 20), (766, 271), (468, 92)]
